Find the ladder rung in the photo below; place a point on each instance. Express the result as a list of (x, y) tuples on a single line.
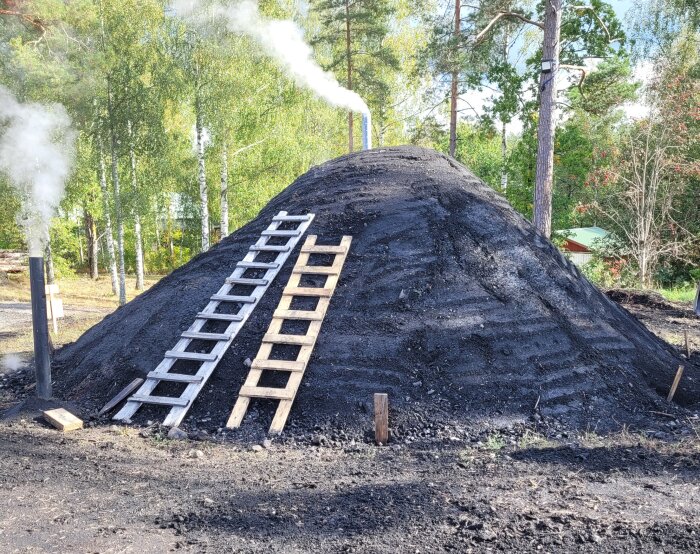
[(165, 400), (279, 365), (231, 298), (258, 265), (205, 336), (278, 233), (269, 248), (243, 281), (308, 291), (176, 377), (288, 339), (308, 315), (266, 392), (291, 218), (220, 317), (323, 249), (196, 356), (317, 269)]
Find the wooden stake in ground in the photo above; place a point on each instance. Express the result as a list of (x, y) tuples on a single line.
[(381, 418), (687, 345), (674, 386)]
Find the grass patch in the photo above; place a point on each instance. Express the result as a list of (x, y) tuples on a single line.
[(684, 294), (77, 290), (85, 302)]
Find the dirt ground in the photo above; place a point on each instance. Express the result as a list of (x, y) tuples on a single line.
[(531, 488)]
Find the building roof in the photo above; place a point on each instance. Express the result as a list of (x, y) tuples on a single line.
[(585, 236)]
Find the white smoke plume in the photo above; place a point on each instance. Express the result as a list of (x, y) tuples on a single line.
[(282, 40), (11, 362), (36, 154)]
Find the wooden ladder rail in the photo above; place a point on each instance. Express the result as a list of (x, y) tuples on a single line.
[(195, 383), (296, 368)]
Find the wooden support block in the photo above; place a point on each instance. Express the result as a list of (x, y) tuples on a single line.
[(381, 418), (174, 377), (278, 365), (121, 395), (308, 291), (674, 386), (194, 356), (278, 233), (63, 420), (317, 270), (305, 315), (266, 392), (321, 249), (245, 281), (289, 339)]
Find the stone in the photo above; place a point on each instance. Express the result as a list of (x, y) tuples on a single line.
[(177, 434)]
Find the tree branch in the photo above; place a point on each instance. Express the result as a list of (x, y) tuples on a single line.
[(500, 15)]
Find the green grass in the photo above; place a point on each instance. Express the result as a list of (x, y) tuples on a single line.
[(684, 294)]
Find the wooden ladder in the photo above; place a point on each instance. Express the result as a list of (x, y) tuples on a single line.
[(296, 368), (195, 383)]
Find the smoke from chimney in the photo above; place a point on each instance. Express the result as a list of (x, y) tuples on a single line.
[(36, 154), (282, 40)]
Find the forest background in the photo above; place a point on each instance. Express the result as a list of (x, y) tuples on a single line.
[(183, 135)]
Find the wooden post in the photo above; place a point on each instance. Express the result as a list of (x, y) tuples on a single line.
[(687, 345), (381, 418), (674, 386)]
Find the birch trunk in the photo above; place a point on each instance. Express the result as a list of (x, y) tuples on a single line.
[(92, 243), (224, 190), (348, 55), (504, 159), (138, 247), (544, 171), (109, 238), (454, 89), (117, 203), (202, 178)]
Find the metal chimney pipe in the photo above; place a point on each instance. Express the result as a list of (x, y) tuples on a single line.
[(366, 131), (42, 361)]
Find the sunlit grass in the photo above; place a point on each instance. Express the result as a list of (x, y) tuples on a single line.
[(76, 292), (684, 294)]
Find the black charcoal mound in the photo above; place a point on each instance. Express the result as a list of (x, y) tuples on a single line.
[(450, 302)]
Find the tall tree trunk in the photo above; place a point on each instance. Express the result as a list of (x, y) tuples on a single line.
[(91, 236), (348, 55), (224, 190), (117, 200), (109, 238), (171, 243), (202, 176), (454, 89), (544, 172), (80, 247), (138, 247), (504, 143), (504, 158), (48, 258)]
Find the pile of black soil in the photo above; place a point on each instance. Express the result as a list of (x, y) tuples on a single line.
[(450, 302)]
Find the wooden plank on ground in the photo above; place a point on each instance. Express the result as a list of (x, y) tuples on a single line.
[(63, 420), (121, 395)]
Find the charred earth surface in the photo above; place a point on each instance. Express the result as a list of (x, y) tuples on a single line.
[(450, 302)]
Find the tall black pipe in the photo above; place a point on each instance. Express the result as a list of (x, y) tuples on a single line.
[(42, 360)]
